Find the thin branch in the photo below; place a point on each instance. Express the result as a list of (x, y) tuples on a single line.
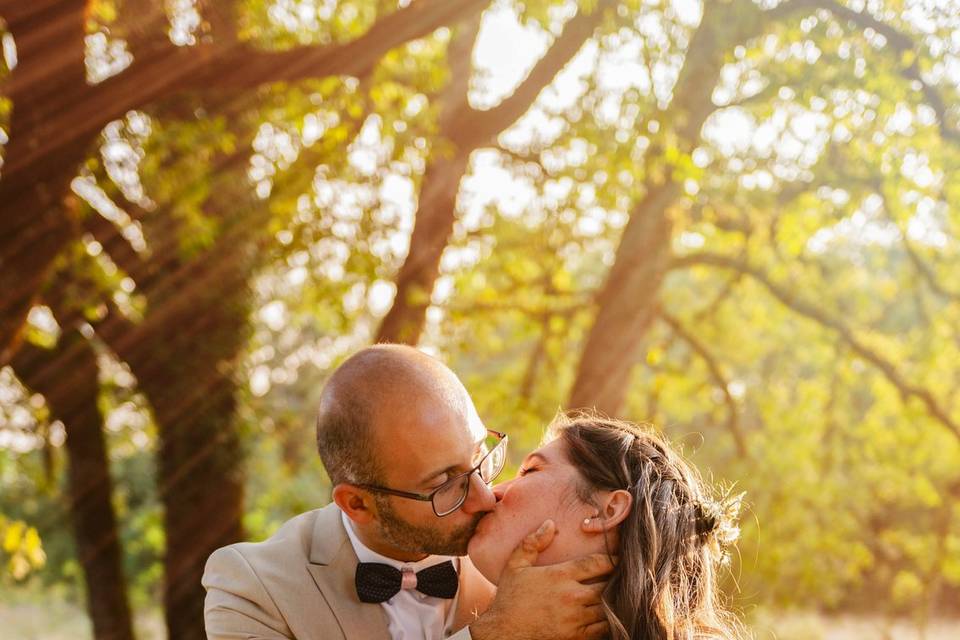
[(117, 247), (724, 294), (354, 58), (760, 97), (899, 42), (524, 158), (926, 272), (804, 308), (919, 264), (485, 125), (564, 311), (722, 219), (208, 68), (733, 414), (535, 359)]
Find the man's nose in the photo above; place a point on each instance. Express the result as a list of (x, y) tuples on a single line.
[(480, 498)]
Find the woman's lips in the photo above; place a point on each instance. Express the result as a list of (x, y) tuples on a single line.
[(484, 521)]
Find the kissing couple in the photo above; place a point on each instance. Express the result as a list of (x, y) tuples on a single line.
[(605, 532)]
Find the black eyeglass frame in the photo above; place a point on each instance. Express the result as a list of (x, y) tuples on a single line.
[(428, 497)]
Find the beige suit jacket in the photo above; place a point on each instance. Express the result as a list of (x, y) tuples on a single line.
[(299, 584)]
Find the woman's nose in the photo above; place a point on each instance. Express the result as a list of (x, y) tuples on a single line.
[(500, 490)]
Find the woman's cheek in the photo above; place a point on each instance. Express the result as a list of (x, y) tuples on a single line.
[(533, 503)]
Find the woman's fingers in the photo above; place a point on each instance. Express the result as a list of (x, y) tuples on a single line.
[(525, 555), (597, 630), (586, 568), (593, 613)]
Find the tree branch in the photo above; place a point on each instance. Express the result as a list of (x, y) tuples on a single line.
[(578, 303), (788, 299), (524, 158), (246, 68), (711, 307), (899, 42), (923, 269), (210, 67), (114, 243), (733, 415), (477, 128)]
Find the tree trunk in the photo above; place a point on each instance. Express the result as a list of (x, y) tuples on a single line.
[(50, 75), (183, 355), (200, 468), (56, 115), (436, 209), (629, 298), (200, 483), (431, 233), (627, 306), (466, 130), (67, 378)]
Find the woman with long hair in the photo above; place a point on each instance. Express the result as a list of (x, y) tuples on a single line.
[(616, 487)]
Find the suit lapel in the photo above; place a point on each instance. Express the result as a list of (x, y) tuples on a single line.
[(475, 595), (333, 565)]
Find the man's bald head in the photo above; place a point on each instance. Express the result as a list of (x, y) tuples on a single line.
[(370, 385)]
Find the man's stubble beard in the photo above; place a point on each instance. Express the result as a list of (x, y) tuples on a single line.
[(419, 539)]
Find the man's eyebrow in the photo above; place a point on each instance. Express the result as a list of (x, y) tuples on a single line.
[(437, 473), (452, 469)]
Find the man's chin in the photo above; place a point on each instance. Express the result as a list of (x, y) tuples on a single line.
[(458, 542), (468, 534), (425, 539)]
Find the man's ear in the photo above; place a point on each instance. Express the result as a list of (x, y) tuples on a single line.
[(355, 502), (613, 508)]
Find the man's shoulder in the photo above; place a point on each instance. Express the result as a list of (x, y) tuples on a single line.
[(265, 589), (292, 542)]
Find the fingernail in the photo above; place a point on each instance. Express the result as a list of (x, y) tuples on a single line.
[(543, 528)]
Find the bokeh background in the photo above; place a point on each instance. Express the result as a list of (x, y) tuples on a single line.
[(735, 219)]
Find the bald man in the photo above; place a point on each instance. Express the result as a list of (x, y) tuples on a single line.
[(411, 466)]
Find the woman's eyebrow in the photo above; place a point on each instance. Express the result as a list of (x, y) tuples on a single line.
[(535, 454)]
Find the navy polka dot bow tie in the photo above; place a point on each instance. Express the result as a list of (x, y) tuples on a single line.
[(378, 582)]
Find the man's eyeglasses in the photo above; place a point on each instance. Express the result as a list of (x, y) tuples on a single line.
[(451, 495)]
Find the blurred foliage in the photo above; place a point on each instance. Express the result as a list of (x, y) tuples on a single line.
[(822, 167), (21, 546)]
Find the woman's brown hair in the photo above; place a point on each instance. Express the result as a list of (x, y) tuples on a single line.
[(672, 543)]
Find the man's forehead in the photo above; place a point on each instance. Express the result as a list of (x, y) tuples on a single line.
[(420, 418), (420, 458), (477, 429)]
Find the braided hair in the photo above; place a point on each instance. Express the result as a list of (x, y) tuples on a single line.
[(671, 544)]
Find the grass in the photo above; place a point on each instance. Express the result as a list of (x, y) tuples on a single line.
[(803, 625), (25, 616)]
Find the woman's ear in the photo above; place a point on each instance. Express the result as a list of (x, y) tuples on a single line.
[(613, 508), (354, 502)]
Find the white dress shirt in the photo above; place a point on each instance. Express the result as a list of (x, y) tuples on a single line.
[(412, 615)]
